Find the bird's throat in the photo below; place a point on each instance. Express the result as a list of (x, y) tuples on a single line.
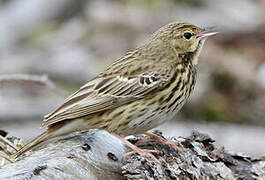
[(191, 57), (187, 57)]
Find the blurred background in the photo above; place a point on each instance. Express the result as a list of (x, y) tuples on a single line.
[(64, 43)]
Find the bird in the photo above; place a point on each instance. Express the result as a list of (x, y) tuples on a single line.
[(138, 92)]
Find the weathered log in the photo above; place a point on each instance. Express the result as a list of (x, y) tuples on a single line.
[(98, 155)]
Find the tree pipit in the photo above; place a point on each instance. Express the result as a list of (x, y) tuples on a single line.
[(136, 93)]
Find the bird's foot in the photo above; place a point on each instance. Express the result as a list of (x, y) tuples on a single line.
[(143, 152), (135, 149), (154, 137)]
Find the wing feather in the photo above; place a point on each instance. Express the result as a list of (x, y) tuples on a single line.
[(105, 92), (95, 98)]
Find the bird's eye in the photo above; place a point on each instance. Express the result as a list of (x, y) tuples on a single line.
[(187, 35)]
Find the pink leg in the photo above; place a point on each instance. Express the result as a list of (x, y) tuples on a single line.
[(135, 149), (154, 137)]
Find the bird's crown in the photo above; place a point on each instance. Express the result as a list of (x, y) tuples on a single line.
[(183, 37)]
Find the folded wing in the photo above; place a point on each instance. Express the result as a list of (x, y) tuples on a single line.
[(104, 93)]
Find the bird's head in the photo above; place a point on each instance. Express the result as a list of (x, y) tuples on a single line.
[(183, 37)]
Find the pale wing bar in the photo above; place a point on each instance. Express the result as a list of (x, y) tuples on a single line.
[(103, 94)]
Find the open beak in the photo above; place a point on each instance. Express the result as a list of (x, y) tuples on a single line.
[(205, 34)]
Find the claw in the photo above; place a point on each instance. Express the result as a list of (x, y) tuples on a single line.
[(143, 152), (154, 137), (135, 149)]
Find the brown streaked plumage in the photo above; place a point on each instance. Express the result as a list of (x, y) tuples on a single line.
[(138, 92)]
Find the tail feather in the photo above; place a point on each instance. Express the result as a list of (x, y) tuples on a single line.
[(58, 129), (41, 138)]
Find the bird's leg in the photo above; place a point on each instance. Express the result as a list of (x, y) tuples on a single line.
[(135, 149), (154, 137)]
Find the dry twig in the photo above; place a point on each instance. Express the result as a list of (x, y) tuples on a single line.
[(36, 79)]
